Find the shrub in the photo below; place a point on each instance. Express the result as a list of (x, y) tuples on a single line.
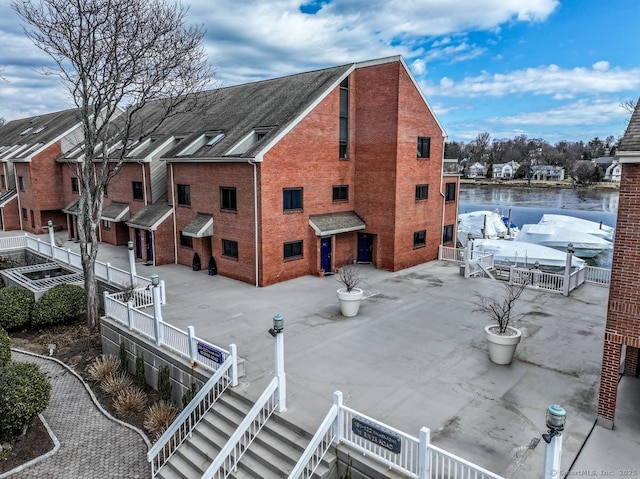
[(24, 393), (164, 383), (124, 358), (16, 304), (141, 378), (102, 367), (114, 383), (61, 304), (129, 401), (189, 395), (5, 348), (159, 417)]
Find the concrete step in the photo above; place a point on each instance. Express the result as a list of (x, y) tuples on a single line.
[(272, 454)]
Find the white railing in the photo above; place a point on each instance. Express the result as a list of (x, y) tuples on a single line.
[(140, 297), (600, 276), (535, 278), (227, 459), (13, 242), (186, 422), (413, 457), (448, 253)]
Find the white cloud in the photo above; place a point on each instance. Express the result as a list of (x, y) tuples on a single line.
[(544, 80)]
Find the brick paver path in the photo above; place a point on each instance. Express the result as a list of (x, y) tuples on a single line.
[(91, 445)]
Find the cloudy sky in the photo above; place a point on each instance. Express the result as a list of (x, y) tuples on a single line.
[(551, 69)]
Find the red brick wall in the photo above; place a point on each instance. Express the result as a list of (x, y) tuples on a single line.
[(11, 216), (164, 243)]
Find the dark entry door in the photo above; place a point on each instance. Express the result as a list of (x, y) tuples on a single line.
[(365, 248), (138, 244), (325, 254), (149, 244)]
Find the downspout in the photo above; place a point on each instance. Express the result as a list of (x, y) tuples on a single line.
[(442, 195), (144, 182), (15, 178), (175, 226), (255, 217)]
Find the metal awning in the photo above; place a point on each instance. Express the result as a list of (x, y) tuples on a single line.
[(151, 216), (201, 226), (335, 223), (116, 212), (72, 208)]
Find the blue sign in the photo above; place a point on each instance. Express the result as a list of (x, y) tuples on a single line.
[(376, 434), (209, 352)]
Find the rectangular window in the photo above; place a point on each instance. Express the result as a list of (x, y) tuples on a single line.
[(75, 188), (419, 238), (450, 192), (340, 192), (21, 183), (292, 199), (422, 192), (186, 241), (25, 214), (293, 249), (230, 248), (184, 195), (138, 192), (344, 118), (3, 181), (447, 234), (106, 224), (228, 199), (424, 147)]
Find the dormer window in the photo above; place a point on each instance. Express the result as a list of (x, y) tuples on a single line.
[(39, 130), (24, 132), (249, 141)]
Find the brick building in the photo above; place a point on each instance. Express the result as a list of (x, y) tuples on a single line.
[(285, 177), (622, 332), (30, 177)]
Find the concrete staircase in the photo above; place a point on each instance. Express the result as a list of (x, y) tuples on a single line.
[(272, 454)]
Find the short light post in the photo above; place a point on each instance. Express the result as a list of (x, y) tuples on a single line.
[(277, 331), (556, 418), (132, 264), (566, 287), (157, 305), (52, 238)]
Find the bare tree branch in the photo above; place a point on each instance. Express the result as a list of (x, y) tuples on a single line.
[(115, 58), (500, 308)]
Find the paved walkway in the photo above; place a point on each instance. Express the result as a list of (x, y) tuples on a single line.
[(91, 444)]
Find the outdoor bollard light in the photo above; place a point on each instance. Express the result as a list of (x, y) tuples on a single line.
[(278, 354), (278, 325), (155, 280), (556, 418), (130, 245)]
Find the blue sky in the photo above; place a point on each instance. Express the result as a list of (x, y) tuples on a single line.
[(550, 69)]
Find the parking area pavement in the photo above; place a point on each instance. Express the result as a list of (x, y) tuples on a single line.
[(415, 356)]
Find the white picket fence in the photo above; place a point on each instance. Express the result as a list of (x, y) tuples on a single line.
[(409, 455)]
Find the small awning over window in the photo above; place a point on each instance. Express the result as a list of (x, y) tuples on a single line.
[(72, 208), (335, 223), (151, 216), (116, 212), (201, 226)]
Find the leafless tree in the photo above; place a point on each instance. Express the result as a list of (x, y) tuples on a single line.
[(349, 276), (115, 57), (500, 308)]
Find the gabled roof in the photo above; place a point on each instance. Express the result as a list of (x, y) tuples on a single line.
[(234, 114), (628, 150), (151, 216), (334, 223), (7, 197), (22, 138), (116, 212), (200, 226)]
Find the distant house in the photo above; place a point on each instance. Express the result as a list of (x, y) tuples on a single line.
[(505, 170), (613, 172), (476, 170), (547, 173)]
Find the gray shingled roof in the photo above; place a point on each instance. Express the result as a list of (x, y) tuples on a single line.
[(151, 216), (202, 225), (333, 223), (116, 212), (631, 139), (238, 110)]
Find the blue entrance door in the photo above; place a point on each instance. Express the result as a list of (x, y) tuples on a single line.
[(365, 248), (325, 254), (138, 244)]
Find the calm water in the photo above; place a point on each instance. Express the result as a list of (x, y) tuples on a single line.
[(527, 205)]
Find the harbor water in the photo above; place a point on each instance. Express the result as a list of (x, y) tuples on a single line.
[(527, 205)]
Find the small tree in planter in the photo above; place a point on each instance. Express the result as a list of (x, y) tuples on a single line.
[(350, 295), (502, 337)]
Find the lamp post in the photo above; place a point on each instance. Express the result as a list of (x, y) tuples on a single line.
[(566, 287), (52, 238), (277, 331), (157, 311), (132, 264), (556, 418)]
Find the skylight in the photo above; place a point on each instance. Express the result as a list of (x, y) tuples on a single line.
[(26, 131), (215, 139), (39, 130)]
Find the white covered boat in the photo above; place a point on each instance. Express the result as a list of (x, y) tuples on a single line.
[(524, 254), (482, 224), (578, 224), (585, 245)]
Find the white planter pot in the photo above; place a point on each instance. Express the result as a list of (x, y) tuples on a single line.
[(502, 347), (350, 301)]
